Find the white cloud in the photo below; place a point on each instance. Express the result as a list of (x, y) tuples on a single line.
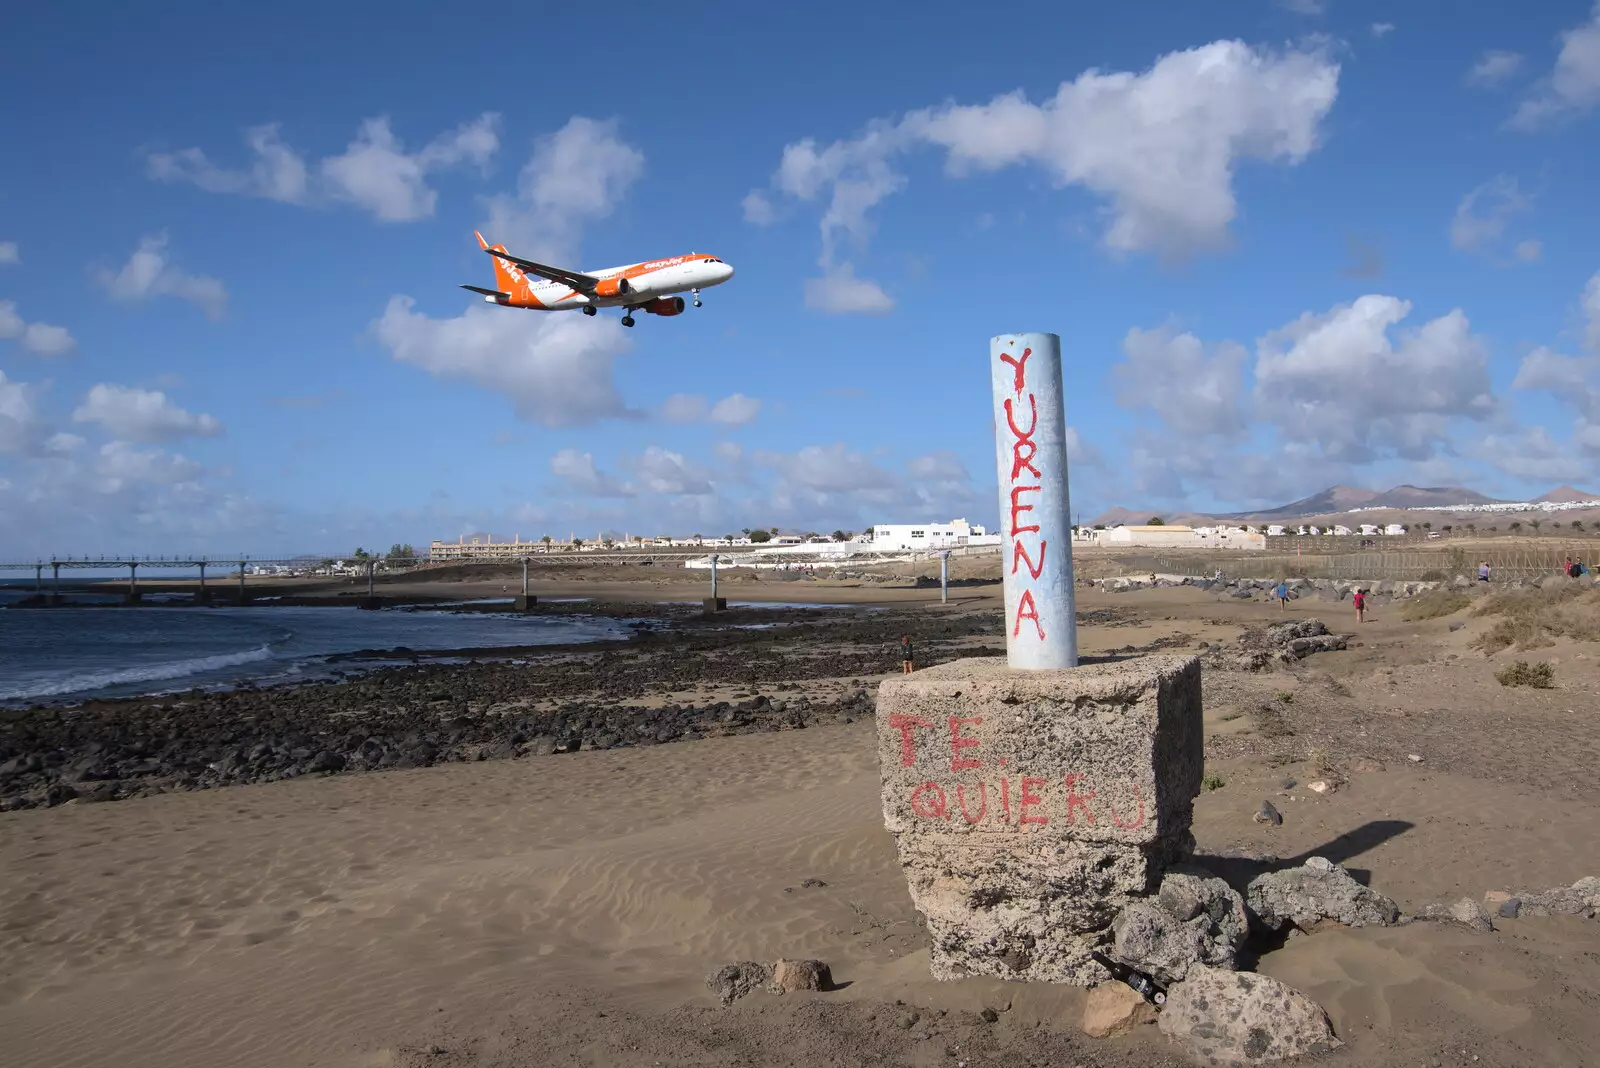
[(132, 414), (829, 469), (1574, 85), (120, 465), (374, 172), (9, 252), (556, 368), (735, 410), (576, 175), (377, 174), (1340, 383), (40, 338), (1381, 30), (1591, 311), (662, 471), (578, 470), (1484, 215), (683, 408), (20, 425), (758, 209), (1191, 391), (1161, 147), (840, 292), (148, 273), (1493, 68), (1304, 7)]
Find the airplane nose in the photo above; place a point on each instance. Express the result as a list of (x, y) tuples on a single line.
[(727, 272)]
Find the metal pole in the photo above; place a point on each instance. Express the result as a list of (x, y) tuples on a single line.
[(55, 566), (371, 569), (713, 577), (524, 580), (241, 582), (1035, 509), (944, 577), (38, 578), (133, 580), (202, 594)]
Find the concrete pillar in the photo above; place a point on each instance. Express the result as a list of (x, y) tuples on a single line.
[(55, 582), (242, 596), (1030, 807), (38, 580), (132, 596), (202, 595), (944, 577), (1035, 512), (714, 603), (526, 601)]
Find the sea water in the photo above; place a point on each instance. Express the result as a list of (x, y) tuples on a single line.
[(55, 655)]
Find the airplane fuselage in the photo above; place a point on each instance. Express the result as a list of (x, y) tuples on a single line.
[(630, 286)]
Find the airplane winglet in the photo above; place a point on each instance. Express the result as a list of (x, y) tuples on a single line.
[(497, 294), (481, 242)]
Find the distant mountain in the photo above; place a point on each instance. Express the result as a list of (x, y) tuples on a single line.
[(1331, 501), (1427, 497), (1564, 494)]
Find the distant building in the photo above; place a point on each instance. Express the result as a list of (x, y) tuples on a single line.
[(484, 547), (918, 536), (1176, 537)]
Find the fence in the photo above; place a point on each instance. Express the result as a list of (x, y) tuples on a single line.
[(1521, 562)]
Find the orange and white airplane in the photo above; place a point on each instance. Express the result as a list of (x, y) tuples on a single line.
[(648, 286)]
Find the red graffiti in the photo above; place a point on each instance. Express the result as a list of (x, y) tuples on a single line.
[(1005, 798), (1029, 799), (983, 802), (1138, 821), (1076, 800), (1019, 366), (1026, 609), (1017, 508), (938, 809), (1024, 437), (905, 723), (1020, 555), (958, 743)]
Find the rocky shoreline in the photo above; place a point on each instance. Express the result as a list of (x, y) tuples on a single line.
[(788, 671)]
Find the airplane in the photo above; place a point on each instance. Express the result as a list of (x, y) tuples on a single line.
[(650, 286)]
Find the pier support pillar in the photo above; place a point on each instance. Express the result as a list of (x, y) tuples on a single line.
[(202, 595), (244, 597), (714, 603), (55, 582), (527, 601), (132, 596)]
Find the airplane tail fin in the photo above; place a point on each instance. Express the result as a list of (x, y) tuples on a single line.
[(508, 278)]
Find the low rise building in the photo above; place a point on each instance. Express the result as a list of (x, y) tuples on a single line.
[(917, 536)]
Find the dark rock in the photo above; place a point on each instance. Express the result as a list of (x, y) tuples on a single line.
[(1510, 908), (990, 1016), (327, 760), (1227, 1019), (1194, 917), (1268, 814), (1318, 890), (811, 884)]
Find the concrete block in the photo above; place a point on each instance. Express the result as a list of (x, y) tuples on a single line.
[(523, 604), (715, 604), (1029, 807)]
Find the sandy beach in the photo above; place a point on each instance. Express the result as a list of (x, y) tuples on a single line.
[(566, 908)]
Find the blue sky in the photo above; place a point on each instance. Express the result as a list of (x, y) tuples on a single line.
[(1285, 245)]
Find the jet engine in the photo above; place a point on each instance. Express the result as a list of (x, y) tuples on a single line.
[(612, 287), (665, 306)]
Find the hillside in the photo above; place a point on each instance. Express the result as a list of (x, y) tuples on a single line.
[(1338, 500)]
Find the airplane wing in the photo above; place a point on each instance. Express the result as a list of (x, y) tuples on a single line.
[(583, 283)]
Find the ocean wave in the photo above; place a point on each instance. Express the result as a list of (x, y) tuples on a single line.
[(100, 680)]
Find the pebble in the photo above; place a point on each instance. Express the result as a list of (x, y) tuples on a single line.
[(1415, 758), (1268, 814)]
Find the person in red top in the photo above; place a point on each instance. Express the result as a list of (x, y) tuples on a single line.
[(1360, 601)]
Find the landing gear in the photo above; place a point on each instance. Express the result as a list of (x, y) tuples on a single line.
[(590, 309), (696, 293), (627, 320)]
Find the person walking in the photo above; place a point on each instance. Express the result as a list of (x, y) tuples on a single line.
[(1360, 601), (1483, 571), (907, 655), (1282, 594)]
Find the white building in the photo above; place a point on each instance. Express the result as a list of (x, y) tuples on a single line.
[(1276, 532), (1394, 530), (917, 536), (1368, 530)]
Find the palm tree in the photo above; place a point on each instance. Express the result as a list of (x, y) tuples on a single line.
[(546, 540)]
